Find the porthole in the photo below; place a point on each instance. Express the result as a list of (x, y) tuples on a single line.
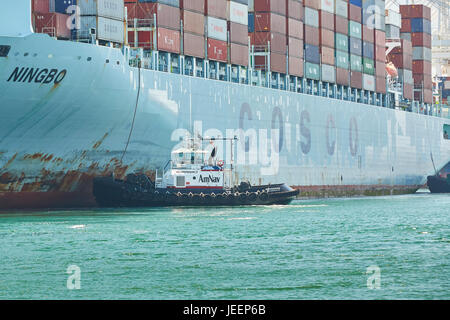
[(25, 54), (107, 60), (89, 59)]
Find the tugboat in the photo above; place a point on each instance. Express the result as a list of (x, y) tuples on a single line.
[(190, 178), (438, 184)]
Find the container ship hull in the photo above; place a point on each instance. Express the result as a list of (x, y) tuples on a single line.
[(71, 112)]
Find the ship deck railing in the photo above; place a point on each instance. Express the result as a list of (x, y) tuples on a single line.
[(260, 76)]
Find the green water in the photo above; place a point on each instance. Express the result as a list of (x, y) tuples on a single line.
[(317, 249)]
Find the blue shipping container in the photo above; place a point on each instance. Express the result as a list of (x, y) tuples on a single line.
[(173, 3), (61, 6), (420, 25), (368, 50), (312, 53), (251, 22), (356, 2)]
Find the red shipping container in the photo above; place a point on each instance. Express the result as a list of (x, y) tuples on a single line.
[(295, 47), (277, 41), (340, 24), (327, 38), (426, 96), (216, 8), (296, 66), (354, 13), (295, 28), (217, 50), (239, 54), (266, 21), (356, 80), (193, 5), (53, 24), (166, 16), (275, 6), (406, 25), (401, 61), (194, 45), (420, 39), (421, 67), (277, 62), (311, 4), (380, 38), (380, 69), (238, 33), (193, 22), (327, 55), (168, 40), (405, 48), (295, 10), (368, 34), (415, 11), (380, 53), (40, 6), (326, 20), (380, 84), (426, 80), (342, 76), (408, 90), (311, 35)]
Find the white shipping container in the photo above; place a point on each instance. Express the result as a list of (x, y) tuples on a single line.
[(393, 18), (113, 9), (341, 8), (368, 82), (421, 53), (217, 29), (237, 12), (406, 76), (447, 85), (327, 5), (311, 17), (251, 5), (106, 29), (328, 73)]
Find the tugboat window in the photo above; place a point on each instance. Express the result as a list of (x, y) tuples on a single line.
[(447, 131), (4, 50)]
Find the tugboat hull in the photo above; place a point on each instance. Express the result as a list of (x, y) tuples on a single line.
[(437, 184), (110, 192)]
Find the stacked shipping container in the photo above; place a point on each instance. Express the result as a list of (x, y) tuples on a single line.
[(355, 43), (193, 14), (416, 26), (312, 40), (106, 16), (294, 28), (216, 17), (50, 17), (326, 41), (270, 27), (341, 28), (168, 24), (237, 15)]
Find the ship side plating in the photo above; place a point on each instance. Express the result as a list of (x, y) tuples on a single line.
[(55, 137)]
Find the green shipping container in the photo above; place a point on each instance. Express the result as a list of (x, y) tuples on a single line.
[(368, 66), (354, 29), (342, 60), (312, 71), (341, 42), (356, 63)]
